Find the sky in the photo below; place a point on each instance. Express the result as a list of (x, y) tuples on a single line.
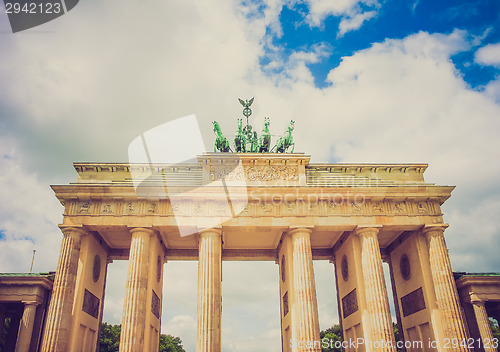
[(392, 81)]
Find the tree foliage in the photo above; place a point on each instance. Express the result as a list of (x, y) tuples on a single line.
[(110, 340), (169, 343), (331, 335), (334, 334), (495, 328), (3, 333)]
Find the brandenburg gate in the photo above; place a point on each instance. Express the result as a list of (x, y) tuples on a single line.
[(258, 206)]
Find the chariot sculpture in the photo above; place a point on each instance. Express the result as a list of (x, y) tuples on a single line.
[(246, 139)]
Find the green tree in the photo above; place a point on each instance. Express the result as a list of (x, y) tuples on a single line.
[(169, 343), (3, 333), (397, 336), (495, 329), (334, 334), (110, 340), (329, 338)]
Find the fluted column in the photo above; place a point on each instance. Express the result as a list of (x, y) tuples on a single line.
[(305, 307), (208, 338), (135, 304), (380, 332), (484, 324), (26, 327), (444, 287), (58, 323)]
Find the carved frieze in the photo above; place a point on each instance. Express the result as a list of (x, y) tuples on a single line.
[(256, 173), (256, 207)]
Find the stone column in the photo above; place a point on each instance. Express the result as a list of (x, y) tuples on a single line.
[(483, 323), (58, 323), (305, 308), (135, 303), (380, 331), (26, 327), (444, 286), (208, 337)]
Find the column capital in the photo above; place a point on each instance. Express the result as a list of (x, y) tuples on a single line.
[(300, 229), (30, 303), (429, 229), (474, 299), (65, 229), (216, 230), (368, 229), (147, 230)]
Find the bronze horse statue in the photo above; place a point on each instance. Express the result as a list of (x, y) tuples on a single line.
[(265, 139), (221, 142), (286, 140)]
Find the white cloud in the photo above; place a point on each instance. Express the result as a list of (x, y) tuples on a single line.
[(352, 12), (185, 326), (29, 214), (488, 55), (492, 90), (348, 24), (294, 66)]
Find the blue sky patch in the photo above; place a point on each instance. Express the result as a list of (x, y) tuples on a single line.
[(395, 19)]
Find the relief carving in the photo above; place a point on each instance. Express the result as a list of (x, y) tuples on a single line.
[(378, 207), (271, 173), (107, 208), (266, 208), (422, 208), (399, 207), (356, 208), (290, 207), (256, 207), (130, 208), (230, 174), (333, 207), (152, 208), (84, 208), (256, 173)]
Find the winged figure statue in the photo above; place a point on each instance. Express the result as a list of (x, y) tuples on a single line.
[(246, 103)]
